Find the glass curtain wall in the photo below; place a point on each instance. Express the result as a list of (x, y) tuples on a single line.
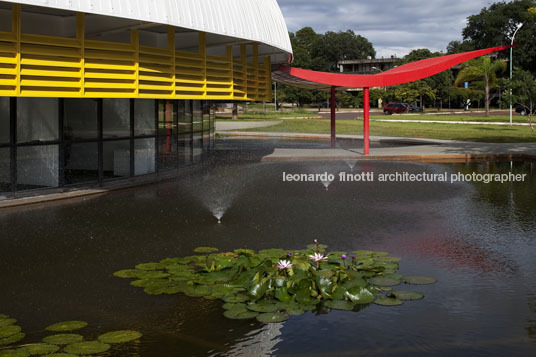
[(52, 143)]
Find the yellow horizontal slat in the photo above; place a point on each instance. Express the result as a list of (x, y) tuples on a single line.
[(189, 72), (7, 60), (109, 55), (103, 75), (75, 63), (42, 73), (218, 58), (108, 85), (45, 83), (50, 93), (8, 71), (7, 92), (8, 82), (219, 90), (182, 54), (190, 89), (219, 66), (191, 81), (108, 46), (7, 36), (155, 51), (50, 51), (92, 64), (108, 94), (155, 87), (155, 60), (50, 40), (8, 47), (156, 78)]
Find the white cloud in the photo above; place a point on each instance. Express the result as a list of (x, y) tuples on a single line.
[(393, 26)]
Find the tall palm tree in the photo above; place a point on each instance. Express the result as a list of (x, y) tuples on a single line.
[(482, 69)]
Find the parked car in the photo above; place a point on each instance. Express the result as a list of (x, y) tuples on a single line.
[(395, 108), (523, 109)]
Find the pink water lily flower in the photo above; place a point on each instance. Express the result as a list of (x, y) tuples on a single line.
[(284, 264), (317, 257)]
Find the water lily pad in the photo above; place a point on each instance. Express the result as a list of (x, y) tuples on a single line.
[(126, 273), (272, 317), (235, 298), (9, 330), (276, 253), (380, 254), (419, 280), (264, 307), (61, 354), (87, 348), (12, 339), (63, 339), (7, 321), (239, 314), (205, 250), (246, 252), (119, 336), (197, 290), (339, 305), (386, 301), (363, 253), (360, 295), (67, 326), (151, 274), (14, 353), (384, 281), (41, 349), (407, 295), (150, 266), (234, 306)]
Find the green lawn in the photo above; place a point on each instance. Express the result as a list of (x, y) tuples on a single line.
[(480, 118), (482, 133), (269, 115)]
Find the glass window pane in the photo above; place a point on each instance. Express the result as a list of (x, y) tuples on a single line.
[(5, 172), (116, 118), (166, 117), (184, 114), (197, 116), (197, 146), (206, 116), (144, 120), (4, 120), (37, 119), (167, 154), (116, 159), (81, 163), (37, 167), (144, 156), (185, 149), (80, 120)]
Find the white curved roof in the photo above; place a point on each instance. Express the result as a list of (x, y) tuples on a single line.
[(253, 20)]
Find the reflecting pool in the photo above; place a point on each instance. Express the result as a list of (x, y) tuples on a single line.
[(478, 240)]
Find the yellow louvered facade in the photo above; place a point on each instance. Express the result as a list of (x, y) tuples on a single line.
[(46, 66)]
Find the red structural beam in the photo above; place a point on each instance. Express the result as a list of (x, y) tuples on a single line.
[(333, 117), (403, 74), (366, 111)]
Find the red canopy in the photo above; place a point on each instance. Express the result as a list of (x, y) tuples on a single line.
[(403, 74)]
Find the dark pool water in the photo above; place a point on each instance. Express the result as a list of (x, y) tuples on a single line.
[(478, 240)]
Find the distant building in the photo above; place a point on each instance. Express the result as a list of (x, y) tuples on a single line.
[(367, 66)]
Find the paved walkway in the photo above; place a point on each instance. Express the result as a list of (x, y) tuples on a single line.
[(409, 149), (239, 125)]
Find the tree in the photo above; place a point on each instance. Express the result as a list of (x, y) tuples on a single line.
[(523, 86), (322, 52), (484, 69), (495, 25)]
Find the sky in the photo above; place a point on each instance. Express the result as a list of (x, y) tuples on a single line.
[(395, 27)]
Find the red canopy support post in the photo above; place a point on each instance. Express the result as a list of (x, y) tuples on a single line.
[(333, 117), (366, 111)]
